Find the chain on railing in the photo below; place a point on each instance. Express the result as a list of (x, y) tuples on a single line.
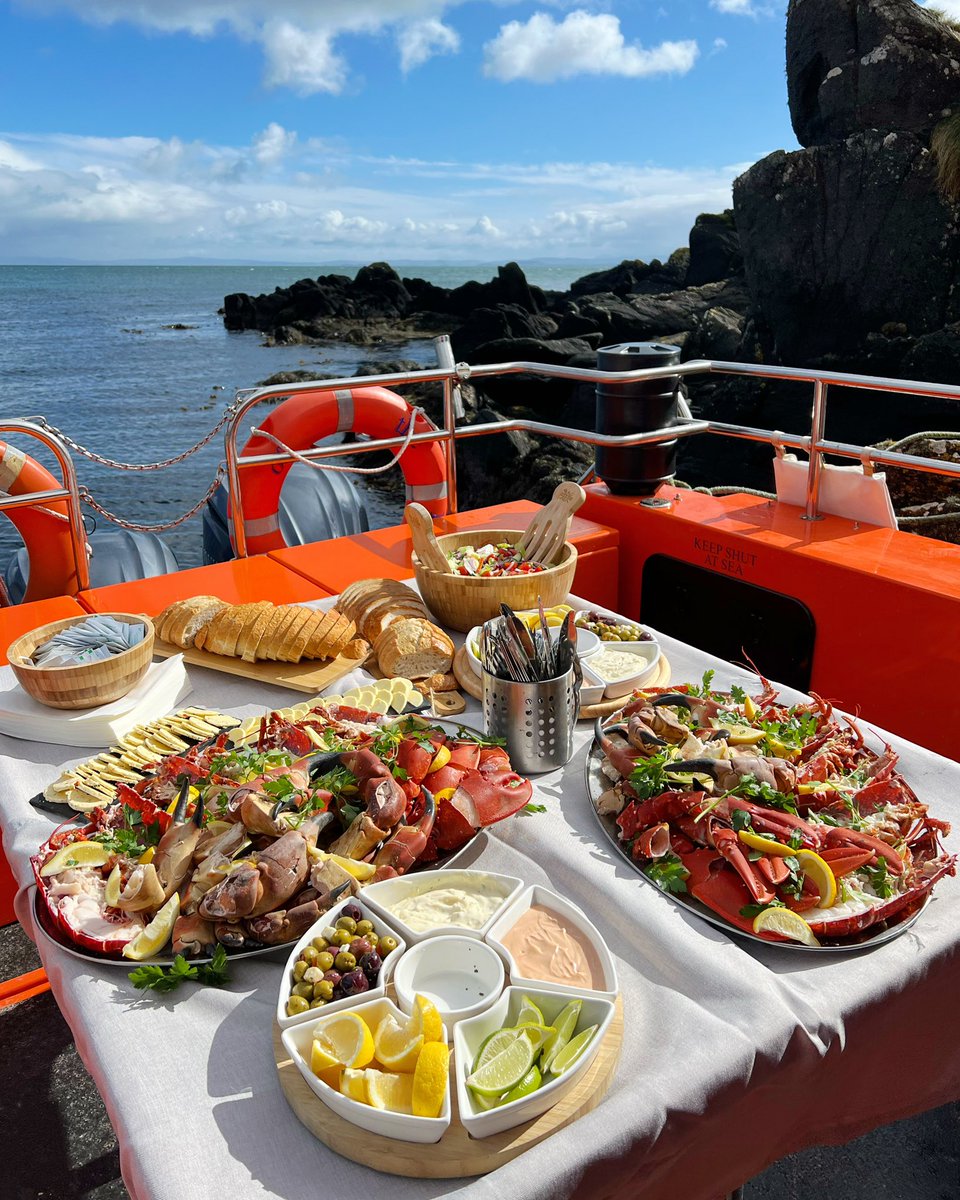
[(157, 526), (114, 464)]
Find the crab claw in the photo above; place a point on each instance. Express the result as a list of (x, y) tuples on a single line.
[(322, 761), (672, 698), (702, 766)]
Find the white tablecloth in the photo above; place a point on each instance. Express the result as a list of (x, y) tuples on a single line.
[(734, 1054)]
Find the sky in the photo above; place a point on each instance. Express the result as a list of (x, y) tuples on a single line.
[(355, 130)]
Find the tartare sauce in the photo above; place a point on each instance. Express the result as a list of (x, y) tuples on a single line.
[(471, 907), (615, 664)]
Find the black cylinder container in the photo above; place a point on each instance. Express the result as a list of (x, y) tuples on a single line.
[(636, 407)]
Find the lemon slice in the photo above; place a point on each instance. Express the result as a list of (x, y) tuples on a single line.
[(505, 1070), (765, 845), (440, 759), (353, 1084), (152, 940), (529, 1013), (564, 1059), (563, 1028), (112, 894), (76, 854), (785, 922), (430, 1017), (430, 1079), (347, 1039), (528, 1084), (819, 871), (444, 794), (398, 1045), (393, 1093), (147, 855), (321, 1059)]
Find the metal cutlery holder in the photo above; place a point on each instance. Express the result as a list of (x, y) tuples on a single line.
[(537, 719)]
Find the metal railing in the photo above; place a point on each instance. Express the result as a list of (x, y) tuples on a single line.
[(451, 376), (815, 444)]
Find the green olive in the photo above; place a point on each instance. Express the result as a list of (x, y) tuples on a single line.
[(364, 927), (318, 1003), (298, 969), (387, 944), (309, 955), (303, 989), (297, 1004), (343, 938), (345, 961), (325, 961), (324, 989), (347, 923), (373, 939), (312, 975), (320, 943)]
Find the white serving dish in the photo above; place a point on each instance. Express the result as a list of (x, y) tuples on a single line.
[(380, 924), (298, 1042), (572, 916), (461, 975), (381, 895), (468, 1036), (588, 644), (647, 655)]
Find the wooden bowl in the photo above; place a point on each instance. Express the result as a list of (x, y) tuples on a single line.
[(90, 684), (462, 601)]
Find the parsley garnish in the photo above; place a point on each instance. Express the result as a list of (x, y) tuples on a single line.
[(705, 684), (668, 873), (742, 820), (648, 778), (878, 878), (738, 694), (754, 910), (156, 979), (534, 808), (467, 735), (793, 886), (120, 841)]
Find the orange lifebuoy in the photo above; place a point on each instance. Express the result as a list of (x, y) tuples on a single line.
[(45, 531), (304, 419)]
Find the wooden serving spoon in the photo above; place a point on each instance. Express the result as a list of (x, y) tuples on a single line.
[(548, 530), (425, 540)]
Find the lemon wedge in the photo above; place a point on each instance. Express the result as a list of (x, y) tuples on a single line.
[(393, 1093), (353, 1084), (346, 1038), (112, 894), (430, 1079), (785, 922), (152, 940), (147, 855), (750, 710), (444, 794), (819, 871), (76, 854), (440, 759), (430, 1017), (397, 1044), (765, 845), (321, 1059)]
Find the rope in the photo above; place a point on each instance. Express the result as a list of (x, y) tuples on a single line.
[(324, 466), (159, 526), (93, 456)]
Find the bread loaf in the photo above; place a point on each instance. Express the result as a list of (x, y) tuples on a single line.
[(260, 631), (414, 648)]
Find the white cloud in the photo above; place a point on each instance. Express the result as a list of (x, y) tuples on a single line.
[(304, 62), (286, 199), (950, 8), (421, 40), (740, 8), (543, 50)]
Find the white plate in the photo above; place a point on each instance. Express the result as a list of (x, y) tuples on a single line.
[(381, 896)]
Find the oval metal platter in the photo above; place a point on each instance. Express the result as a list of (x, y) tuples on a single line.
[(56, 938), (597, 783)]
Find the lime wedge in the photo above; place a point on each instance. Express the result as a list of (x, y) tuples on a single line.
[(563, 1028), (492, 1045), (529, 1013), (529, 1083), (564, 1059), (505, 1070)]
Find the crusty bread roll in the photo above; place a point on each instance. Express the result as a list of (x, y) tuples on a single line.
[(357, 597), (414, 648)]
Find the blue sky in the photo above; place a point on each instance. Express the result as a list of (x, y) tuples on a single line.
[(325, 130)]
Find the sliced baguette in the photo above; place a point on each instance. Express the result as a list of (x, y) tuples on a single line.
[(354, 599), (337, 637), (318, 636), (207, 632), (272, 641), (253, 627), (290, 649), (224, 639), (183, 629), (414, 649)]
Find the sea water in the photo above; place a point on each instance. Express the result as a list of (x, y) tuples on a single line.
[(134, 362)]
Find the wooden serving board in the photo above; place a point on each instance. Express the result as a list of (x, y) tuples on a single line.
[(457, 1154), (471, 683), (311, 675)]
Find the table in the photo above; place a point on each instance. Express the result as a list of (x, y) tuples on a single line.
[(733, 1055)]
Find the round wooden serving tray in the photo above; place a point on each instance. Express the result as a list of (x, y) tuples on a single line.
[(457, 1154), (469, 680)]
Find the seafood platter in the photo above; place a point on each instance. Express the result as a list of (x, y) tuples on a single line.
[(243, 839), (495, 1021), (773, 821)]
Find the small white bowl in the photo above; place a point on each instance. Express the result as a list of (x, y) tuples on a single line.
[(388, 892), (567, 914), (588, 644), (468, 1036), (298, 1042), (380, 924), (647, 655), (461, 975)]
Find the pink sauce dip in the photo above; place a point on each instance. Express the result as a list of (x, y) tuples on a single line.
[(544, 946)]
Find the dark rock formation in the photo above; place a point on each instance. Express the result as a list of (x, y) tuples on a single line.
[(868, 64), (714, 249)]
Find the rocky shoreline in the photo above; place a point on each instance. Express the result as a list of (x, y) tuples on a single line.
[(844, 254)]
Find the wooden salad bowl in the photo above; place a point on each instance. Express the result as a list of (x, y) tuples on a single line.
[(462, 601)]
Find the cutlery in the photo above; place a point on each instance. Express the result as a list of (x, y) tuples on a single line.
[(425, 540), (548, 530)]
